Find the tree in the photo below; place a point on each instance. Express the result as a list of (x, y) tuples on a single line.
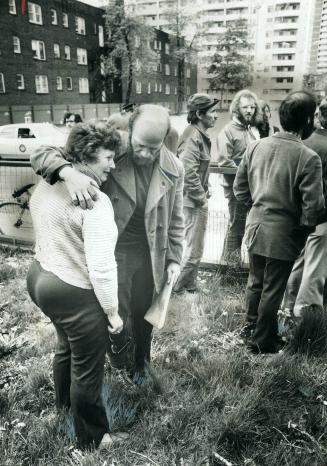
[(185, 34), (231, 68), (129, 53)]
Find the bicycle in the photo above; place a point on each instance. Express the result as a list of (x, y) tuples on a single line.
[(15, 211)]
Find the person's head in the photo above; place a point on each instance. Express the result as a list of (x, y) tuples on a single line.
[(245, 107), (119, 121), (66, 117), (265, 110), (201, 110), (73, 119), (93, 144), (148, 126), (322, 113), (296, 113)]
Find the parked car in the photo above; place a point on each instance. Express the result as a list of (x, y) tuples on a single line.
[(17, 141)]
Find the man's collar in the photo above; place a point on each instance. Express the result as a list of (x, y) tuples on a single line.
[(204, 133), (287, 135), (321, 131)]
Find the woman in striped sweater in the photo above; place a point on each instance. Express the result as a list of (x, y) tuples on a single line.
[(73, 279)]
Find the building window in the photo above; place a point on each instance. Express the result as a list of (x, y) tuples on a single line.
[(59, 83), (65, 20), (67, 52), (175, 90), (82, 56), (149, 88), (20, 82), (155, 87), (69, 83), (111, 86), (80, 25), (41, 84), (188, 90), (103, 96), (34, 13), (175, 71), (95, 30), (137, 41), (167, 89), (2, 84), (38, 49), (83, 84), (160, 87), (54, 19), (101, 36), (16, 44), (159, 45), (138, 87), (167, 69), (12, 7), (155, 44), (167, 48), (56, 50), (188, 73), (159, 67)]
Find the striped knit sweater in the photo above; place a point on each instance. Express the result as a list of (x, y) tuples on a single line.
[(77, 245)]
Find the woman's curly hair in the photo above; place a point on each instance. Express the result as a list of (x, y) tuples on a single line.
[(85, 139)]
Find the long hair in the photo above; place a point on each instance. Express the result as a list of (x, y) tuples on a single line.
[(234, 108)]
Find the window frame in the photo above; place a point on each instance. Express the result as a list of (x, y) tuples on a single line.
[(54, 17), (12, 11), (81, 82), (138, 87), (56, 47), (37, 51), (80, 30), (59, 86), (42, 89), (2, 84), (34, 9), (67, 48), (81, 56), (19, 50), (65, 23), (69, 87), (21, 77)]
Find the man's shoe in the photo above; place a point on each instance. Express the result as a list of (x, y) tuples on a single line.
[(274, 348), (247, 331), (144, 377)]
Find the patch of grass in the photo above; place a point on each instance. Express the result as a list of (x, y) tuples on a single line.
[(218, 403)]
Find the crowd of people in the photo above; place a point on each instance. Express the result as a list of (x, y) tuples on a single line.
[(122, 210)]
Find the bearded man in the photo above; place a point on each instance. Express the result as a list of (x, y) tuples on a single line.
[(232, 142)]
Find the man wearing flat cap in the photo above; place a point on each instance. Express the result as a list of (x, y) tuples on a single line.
[(194, 152)]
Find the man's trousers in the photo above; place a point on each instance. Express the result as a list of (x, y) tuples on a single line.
[(264, 293), (135, 295), (78, 365), (307, 281), (236, 224), (196, 219)]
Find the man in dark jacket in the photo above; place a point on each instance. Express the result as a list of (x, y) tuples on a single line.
[(308, 278), (281, 180), (194, 152)]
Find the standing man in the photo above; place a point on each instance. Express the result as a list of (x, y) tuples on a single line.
[(232, 142), (194, 151), (146, 191), (309, 275), (281, 180)]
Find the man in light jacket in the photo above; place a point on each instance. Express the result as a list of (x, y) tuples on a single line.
[(146, 191), (194, 152), (280, 179), (232, 142)]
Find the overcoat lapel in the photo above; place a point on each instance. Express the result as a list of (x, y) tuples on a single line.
[(124, 176)]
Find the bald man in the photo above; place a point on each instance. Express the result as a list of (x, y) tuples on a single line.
[(146, 191)]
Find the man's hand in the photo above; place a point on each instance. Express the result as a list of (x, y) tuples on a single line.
[(82, 189), (115, 324), (173, 272)]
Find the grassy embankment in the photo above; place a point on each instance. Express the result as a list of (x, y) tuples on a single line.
[(219, 405)]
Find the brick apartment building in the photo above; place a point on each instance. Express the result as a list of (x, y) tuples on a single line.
[(51, 55)]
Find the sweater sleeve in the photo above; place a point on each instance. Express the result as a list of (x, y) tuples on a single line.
[(47, 160), (100, 236), (225, 149)]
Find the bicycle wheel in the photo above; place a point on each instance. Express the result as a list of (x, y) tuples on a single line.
[(15, 219)]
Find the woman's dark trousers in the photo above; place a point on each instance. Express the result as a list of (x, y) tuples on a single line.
[(78, 366)]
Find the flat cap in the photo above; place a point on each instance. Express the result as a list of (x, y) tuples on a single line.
[(200, 102)]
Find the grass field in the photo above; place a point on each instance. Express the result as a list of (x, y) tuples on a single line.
[(218, 404)]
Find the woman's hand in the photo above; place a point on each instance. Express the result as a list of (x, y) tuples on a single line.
[(115, 324), (82, 189)]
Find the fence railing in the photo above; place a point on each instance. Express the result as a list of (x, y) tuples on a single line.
[(17, 173)]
